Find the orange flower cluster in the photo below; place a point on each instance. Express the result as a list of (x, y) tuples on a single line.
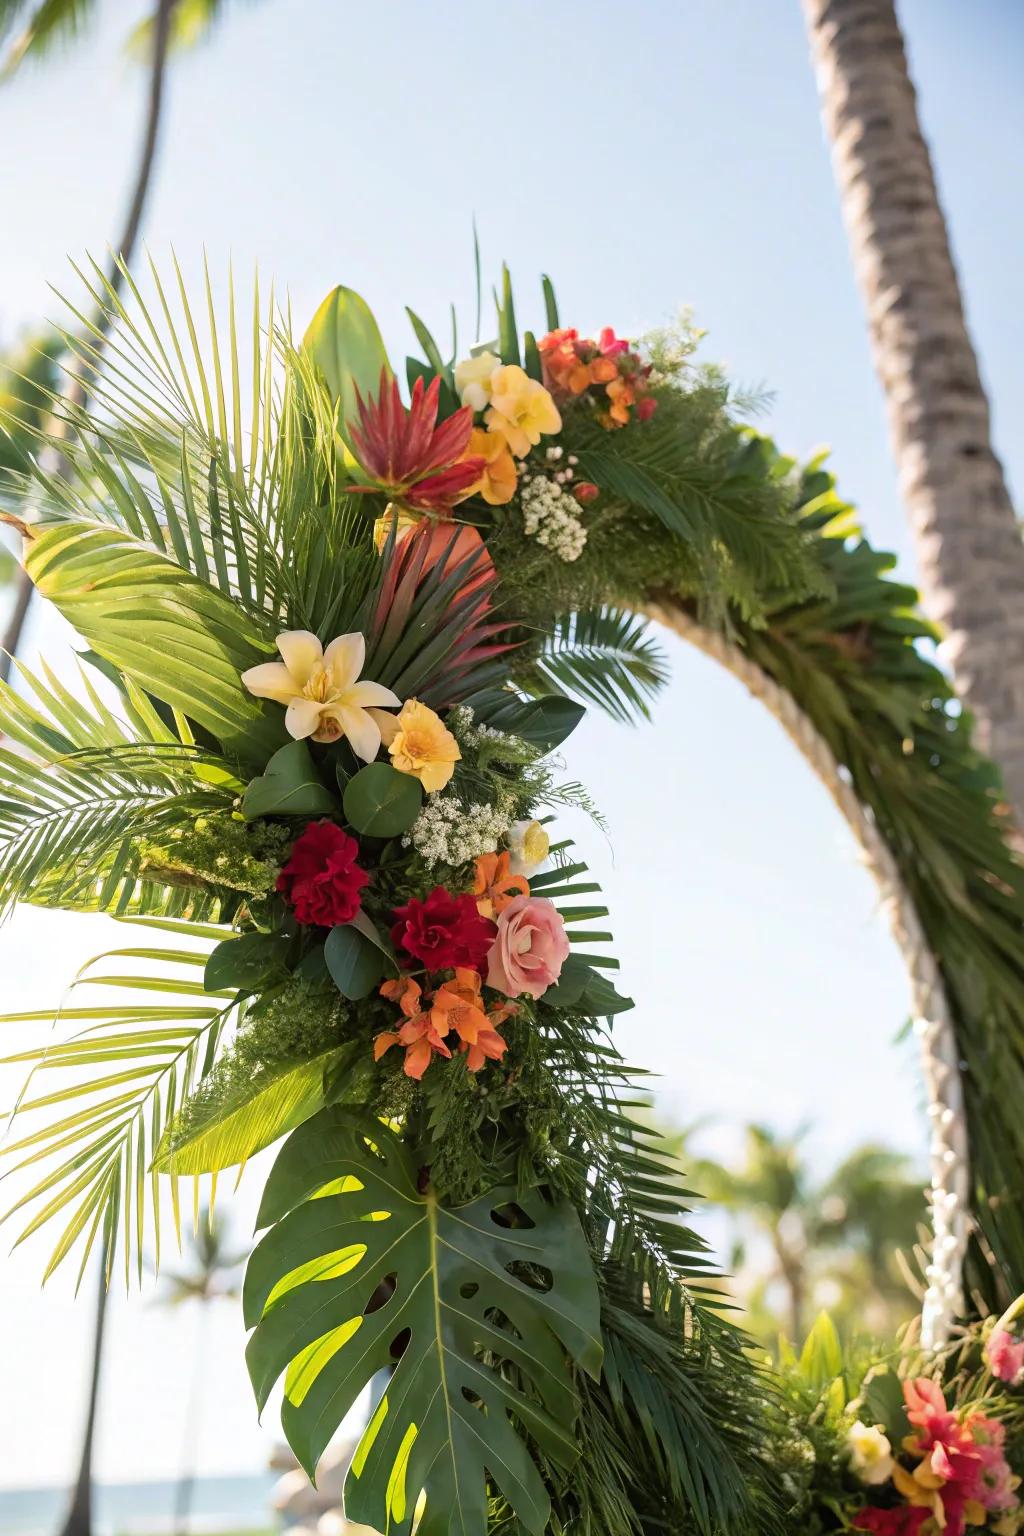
[(455, 1008), (575, 365)]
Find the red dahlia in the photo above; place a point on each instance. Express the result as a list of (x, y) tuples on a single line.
[(444, 931), (321, 880)]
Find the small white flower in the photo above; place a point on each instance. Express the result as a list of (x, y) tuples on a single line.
[(528, 846), (871, 1455)]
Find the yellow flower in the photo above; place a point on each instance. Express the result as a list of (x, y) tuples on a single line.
[(473, 379), (498, 482), (394, 513), (321, 689), (423, 746), (521, 409), (528, 845), (871, 1455)]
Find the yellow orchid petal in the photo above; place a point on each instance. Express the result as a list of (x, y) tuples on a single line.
[(344, 659), (301, 651), (271, 680), (386, 724)]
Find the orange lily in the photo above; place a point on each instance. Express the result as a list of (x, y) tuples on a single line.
[(494, 886)]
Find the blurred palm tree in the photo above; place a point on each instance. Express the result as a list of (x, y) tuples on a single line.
[(837, 1241), (211, 1273), (33, 30)]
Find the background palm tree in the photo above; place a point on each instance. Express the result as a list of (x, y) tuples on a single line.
[(33, 29), (838, 1241), (211, 1273), (966, 534)]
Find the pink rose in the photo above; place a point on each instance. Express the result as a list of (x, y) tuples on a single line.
[(1005, 1356), (530, 950)]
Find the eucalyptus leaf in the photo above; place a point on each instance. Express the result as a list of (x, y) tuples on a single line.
[(381, 802), (543, 722), (355, 962), (290, 786), (246, 962)]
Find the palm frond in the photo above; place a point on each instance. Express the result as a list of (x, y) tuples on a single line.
[(122, 1077), (79, 801), (604, 657), (44, 25)]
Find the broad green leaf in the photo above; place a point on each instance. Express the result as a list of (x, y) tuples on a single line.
[(882, 1396), (261, 1110), (178, 639), (544, 722), (344, 340), (356, 962), (246, 962), (381, 802), (289, 786), (479, 1336), (581, 989)]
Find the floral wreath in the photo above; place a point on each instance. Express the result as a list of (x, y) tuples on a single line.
[(347, 635)]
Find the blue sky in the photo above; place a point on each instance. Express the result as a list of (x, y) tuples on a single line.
[(647, 156)]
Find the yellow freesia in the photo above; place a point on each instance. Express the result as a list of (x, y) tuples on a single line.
[(498, 482), (423, 746), (394, 516), (325, 699), (521, 409), (871, 1455)]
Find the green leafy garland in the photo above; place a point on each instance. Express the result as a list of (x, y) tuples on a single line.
[(520, 1261)]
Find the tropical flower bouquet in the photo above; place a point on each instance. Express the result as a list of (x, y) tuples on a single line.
[(328, 662), (907, 1444)]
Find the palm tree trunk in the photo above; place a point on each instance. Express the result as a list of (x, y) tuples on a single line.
[(968, 545), (78, 1521), (187, 1476), (78, 389)]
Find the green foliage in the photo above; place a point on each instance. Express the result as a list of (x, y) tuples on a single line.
[(606, 658), (381, 802), (123, 1078), (87, 791), (476, 1307), (355, 961), (345, 343), (289, 786)]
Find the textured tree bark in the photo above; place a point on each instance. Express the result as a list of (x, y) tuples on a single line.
[(968, 543)]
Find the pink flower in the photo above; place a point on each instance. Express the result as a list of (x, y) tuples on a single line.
[(1005, 1356), (611, 345), (530, 949)]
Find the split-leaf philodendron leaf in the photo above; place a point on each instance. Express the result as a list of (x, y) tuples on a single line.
[(481, 1310)]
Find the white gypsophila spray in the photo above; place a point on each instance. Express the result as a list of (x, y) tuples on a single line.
[(448, 832), (551, 512)]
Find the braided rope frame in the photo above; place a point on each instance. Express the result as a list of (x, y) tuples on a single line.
[(933, 1020)]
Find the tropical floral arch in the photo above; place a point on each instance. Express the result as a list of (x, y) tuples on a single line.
[(363, 938)]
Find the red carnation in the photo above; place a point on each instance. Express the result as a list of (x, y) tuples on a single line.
[(444, 931), (321, 880), (906, 1520)]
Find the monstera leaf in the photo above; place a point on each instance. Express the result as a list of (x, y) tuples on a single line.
[(479, 1308)]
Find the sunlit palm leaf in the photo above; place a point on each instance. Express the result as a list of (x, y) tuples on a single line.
[(121, 1078)]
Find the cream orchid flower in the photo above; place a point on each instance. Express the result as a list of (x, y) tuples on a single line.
[(324, 698), (473, 379)]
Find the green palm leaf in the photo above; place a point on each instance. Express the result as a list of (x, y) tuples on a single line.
[(176, 637), (604, 657), (121, 1078), (491, 1297)]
